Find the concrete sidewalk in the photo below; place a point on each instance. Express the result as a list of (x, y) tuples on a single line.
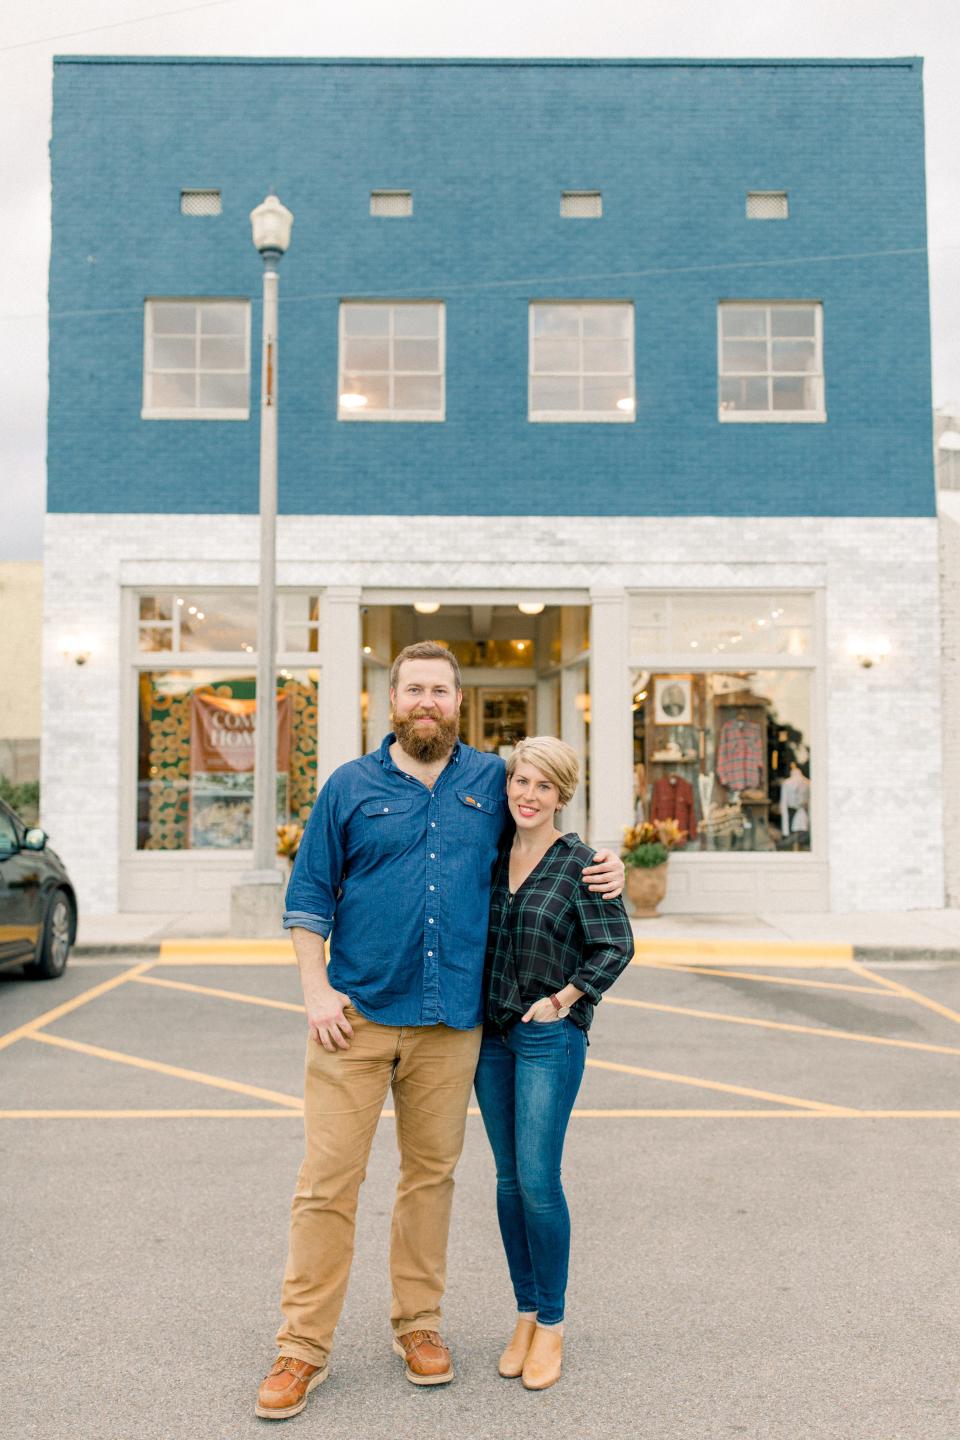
[(897, 936)]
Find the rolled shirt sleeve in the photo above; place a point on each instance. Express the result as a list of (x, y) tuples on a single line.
[(311, 900)]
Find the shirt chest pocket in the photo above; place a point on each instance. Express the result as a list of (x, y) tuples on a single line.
[(476, 816), (389, 826)]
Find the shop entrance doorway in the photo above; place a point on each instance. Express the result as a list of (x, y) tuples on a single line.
[(523, 674)]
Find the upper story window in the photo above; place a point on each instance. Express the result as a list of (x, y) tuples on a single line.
[(581, 361), (188, 621), (391, 204), (581, 205), (767, 205), (391, 360), (196, 360), (771, 361)]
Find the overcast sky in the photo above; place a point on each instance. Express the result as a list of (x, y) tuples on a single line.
[(31, 34)]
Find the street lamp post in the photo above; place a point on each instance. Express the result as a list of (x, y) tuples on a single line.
[(254, 906)]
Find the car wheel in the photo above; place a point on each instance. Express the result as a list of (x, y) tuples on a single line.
[(55, 946)]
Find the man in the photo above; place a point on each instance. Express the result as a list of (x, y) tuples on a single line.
[(398, 851)]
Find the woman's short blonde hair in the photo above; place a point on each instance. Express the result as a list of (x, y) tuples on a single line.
[(555, 758)]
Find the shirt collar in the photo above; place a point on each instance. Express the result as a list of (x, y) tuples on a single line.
[(386, 761)]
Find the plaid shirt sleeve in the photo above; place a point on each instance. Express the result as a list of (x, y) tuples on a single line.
[(607, 942)]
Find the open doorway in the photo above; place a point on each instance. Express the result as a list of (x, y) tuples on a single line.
[(523, 673)]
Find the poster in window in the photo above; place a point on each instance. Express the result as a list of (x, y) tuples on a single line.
[(222, 743), (673, 700)]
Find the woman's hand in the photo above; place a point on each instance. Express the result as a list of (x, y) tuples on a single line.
[(542, 1012), (605, 875)]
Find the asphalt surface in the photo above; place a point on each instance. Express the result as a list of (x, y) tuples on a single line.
[(779, 1259)]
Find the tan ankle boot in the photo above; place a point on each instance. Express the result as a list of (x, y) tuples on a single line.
[(541, 1369), (511, 1361)]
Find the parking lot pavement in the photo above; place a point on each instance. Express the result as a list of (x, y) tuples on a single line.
[(761, 1169)]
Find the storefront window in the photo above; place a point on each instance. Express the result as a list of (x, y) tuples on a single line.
[(198, 620), (727, 755), (196, 732), (728, 625)]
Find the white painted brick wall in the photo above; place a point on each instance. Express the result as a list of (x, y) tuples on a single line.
[(880, 577)]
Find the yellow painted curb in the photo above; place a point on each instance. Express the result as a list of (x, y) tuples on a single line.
[(222, 951), (707, 952)]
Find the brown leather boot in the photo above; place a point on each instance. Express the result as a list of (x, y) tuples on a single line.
[(511, 1361), (541, 1369), (284, 1391), (427, 1358)]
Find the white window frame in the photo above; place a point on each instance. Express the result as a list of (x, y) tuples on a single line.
[(168, 412), (816, 416), (581, 417), (391, 415)]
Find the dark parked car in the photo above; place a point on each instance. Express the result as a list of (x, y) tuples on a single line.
[(38, 907)]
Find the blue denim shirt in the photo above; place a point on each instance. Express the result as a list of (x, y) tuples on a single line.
[(401, 876)]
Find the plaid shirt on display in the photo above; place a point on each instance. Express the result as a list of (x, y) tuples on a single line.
[(552, 932), (740, 756)]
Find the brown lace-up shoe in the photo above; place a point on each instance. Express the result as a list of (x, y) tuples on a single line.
[(428, 1359), (284, 1391)]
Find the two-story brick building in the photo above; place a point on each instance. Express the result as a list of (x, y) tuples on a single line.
[(614, 376)]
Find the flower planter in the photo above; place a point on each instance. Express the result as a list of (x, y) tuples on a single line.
[(646, 887)]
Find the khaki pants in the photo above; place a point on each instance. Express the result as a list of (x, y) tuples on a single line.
[(430, 1068)]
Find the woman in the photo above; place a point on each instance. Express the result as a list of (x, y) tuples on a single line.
[(552, 949)]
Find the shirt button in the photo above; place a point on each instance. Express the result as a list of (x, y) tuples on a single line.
[(432, 856), (429, 954), (433, 824), (386, 809), (430, 920), (433, 887)]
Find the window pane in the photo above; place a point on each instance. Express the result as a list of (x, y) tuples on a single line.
[(224, 392), (606, 320), (743, 320), (367, 354), (554, 394), (171, 319), (744, 395), (556, 355), (417, 393), (172, 392), (556, 320), (156, 607), (794, 393), (301, 608), (374, 388), (196, 755), (218, 619), (717, 622), (224, 319), (794, 354), (366, 319), (727, 756), (793, 320), (153, 638), (226, 353), (416, 320), (416, 354), (609, 357), (606, 394), (174, 354), (747, 355)]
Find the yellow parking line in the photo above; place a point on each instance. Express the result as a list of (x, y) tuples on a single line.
[(784, 1025), (31, 1026), (825, 956), (256, 1091), (906, 992), (790, 1100), (678, 969), (219, 994)]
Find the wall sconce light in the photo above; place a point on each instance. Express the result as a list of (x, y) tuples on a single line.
[(868, 651), (79, 651)]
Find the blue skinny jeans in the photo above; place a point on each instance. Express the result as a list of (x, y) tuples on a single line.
[(526, 1083)]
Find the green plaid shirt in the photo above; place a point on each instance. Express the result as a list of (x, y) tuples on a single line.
[(552, 932)]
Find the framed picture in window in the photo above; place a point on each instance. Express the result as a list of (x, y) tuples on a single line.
[(673, 700)]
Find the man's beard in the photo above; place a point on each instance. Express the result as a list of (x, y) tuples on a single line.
[(425, 745)]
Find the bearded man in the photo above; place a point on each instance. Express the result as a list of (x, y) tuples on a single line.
[(395, 864)]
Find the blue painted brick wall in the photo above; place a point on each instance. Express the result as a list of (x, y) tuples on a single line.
[(487, 147)]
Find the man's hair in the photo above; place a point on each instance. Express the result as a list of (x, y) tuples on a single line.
[(555, 758), (425, 650)]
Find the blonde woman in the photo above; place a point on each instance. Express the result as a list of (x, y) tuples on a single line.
[(552, 949)]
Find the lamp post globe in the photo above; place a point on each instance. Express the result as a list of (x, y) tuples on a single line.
[(271, 223)]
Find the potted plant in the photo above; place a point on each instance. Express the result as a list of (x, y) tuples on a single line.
[(646, 850), (288, 843)]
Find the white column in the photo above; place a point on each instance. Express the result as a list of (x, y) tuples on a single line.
[(338, 707), (611, 745)]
